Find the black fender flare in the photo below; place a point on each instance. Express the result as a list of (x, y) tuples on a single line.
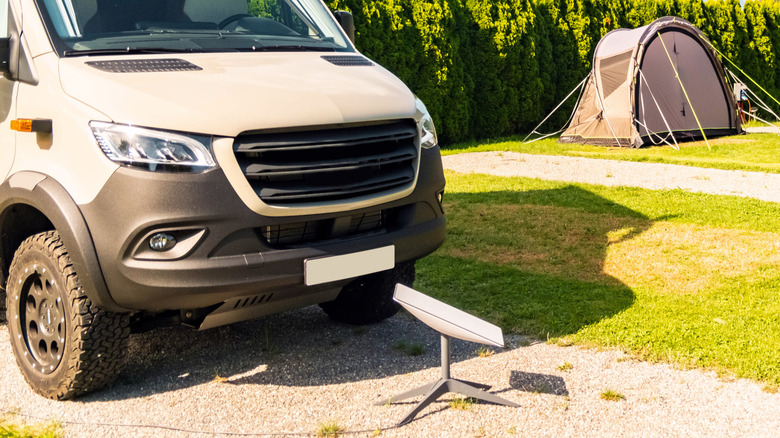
[(48, 196)]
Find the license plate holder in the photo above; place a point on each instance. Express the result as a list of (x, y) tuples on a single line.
[(334, 268)]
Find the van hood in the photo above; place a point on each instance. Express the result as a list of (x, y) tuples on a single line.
[(230, 93)]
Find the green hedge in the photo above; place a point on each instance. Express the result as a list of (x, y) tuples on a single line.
[(489, 68)]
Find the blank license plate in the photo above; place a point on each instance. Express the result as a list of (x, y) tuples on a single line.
[(327, 269)]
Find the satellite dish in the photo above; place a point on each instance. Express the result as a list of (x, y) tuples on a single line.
[(451, 323), (448, 320)]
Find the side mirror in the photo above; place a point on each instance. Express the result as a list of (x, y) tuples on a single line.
[(347, 22), (5, 56)]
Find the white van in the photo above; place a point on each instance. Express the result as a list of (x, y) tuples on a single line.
[(198, 162)]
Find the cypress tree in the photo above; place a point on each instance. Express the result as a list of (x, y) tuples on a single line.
[(488, 68)]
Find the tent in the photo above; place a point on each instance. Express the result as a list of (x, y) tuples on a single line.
[(659, 83)]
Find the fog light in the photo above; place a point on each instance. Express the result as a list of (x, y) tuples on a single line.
[(162, 242), (440, 198)]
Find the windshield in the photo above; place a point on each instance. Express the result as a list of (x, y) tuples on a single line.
[(84, 27)]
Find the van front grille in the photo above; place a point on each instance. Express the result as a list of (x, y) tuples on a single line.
[(323, 165), (300, 233)]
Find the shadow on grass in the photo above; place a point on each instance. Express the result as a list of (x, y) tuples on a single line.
[(532, 262), (571, 196), (520, 302)]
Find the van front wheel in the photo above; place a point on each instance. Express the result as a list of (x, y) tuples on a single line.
[(369, 299), (64, 344)]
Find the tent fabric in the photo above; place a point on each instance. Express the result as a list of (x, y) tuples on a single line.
[(651, 83)]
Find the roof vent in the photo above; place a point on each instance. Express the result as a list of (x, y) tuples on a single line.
[(144, 65), (348, 61)]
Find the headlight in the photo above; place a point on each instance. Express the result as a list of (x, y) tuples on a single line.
[(154, 150), (428, 137)]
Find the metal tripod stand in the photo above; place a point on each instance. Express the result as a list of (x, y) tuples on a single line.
[(445, 384)]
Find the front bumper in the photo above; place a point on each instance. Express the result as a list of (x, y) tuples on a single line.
[(223, 253)]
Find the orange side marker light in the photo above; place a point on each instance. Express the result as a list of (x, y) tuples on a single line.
[(21, 125), (32, 125)]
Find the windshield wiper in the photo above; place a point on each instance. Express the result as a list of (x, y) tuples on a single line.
[(292, 48), (158, 50), (129, 51)]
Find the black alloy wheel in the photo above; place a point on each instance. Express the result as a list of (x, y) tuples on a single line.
[(64, 344)]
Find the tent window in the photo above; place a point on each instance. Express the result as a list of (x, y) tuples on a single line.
[(614, 72)]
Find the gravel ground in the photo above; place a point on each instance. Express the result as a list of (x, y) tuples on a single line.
[(763, 130), (290, 373), (757, 185), (287, 374)]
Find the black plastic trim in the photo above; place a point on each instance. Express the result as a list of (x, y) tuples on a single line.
[(233, 259), (53, 201)]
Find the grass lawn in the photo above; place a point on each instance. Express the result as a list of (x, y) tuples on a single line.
[(753, 152), (11, 428), (667, 275)]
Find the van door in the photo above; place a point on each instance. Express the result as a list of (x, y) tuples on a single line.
[(8, 89)]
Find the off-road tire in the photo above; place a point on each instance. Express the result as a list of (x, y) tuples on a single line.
[(64, 344), (369, 299)]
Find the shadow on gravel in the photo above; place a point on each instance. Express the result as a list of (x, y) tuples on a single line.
[(2, 308), (538, 383), (298, 348)]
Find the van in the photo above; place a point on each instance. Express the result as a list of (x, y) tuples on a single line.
[(198, 162)]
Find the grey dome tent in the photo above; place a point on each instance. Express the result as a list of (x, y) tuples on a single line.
[(661, 82)]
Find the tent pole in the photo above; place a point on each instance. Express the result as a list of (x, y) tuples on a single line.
[(677, 75), (676, 146)]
